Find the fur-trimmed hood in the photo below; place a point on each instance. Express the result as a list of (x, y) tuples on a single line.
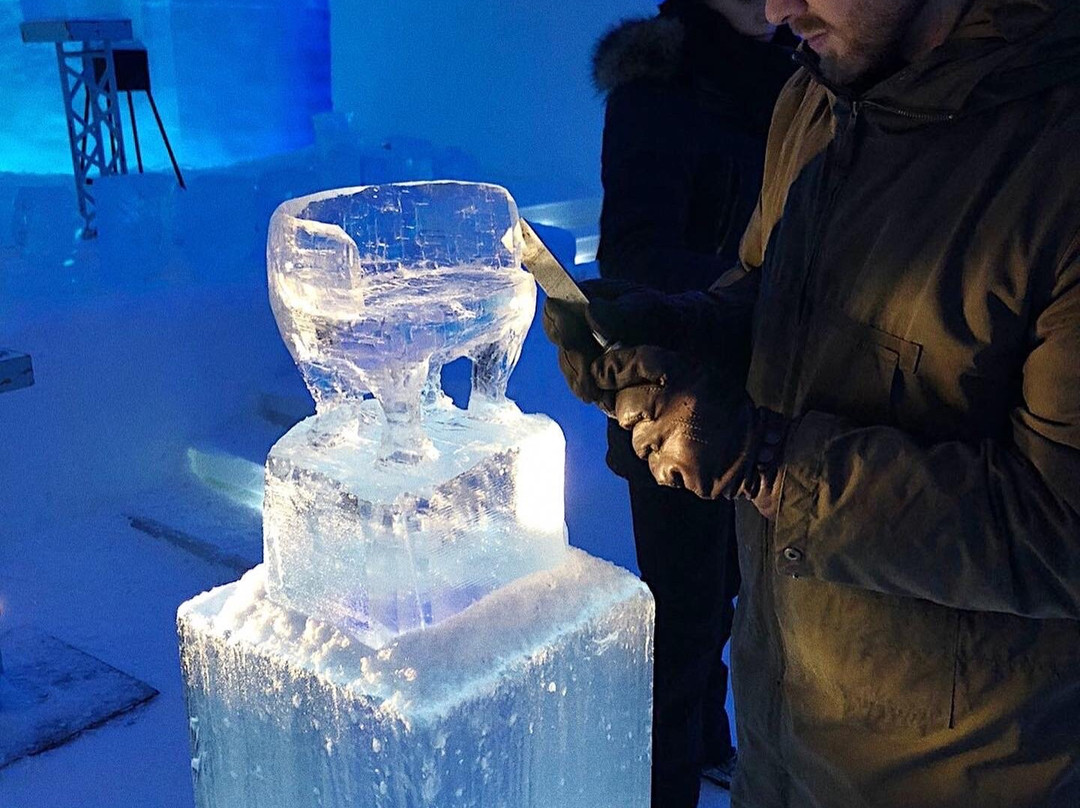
[(639, 48)]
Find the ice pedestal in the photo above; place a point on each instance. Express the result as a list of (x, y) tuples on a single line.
[(535, 696), (420, 634), (383, 550)]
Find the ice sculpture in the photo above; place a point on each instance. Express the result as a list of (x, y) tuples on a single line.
[(375, 288), (419, 634), (388, 514)]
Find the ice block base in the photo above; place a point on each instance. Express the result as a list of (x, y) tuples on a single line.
[(381, 550), (536, 696)]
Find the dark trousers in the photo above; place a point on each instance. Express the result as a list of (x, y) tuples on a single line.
[(686, 551)]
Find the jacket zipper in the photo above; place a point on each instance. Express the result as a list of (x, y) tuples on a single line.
[(800, 58), (842, 160), (840, 163), (837, 164), (911, 115), (768, 542)]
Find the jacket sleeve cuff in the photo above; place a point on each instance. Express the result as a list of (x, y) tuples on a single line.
[(804, 459)]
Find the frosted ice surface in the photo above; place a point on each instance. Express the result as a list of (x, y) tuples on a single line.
[(390, 514), (375, 288), (384, 549), (536, 696)]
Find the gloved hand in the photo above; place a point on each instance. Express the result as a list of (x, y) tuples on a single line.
[(629, 314), (686, 420), (568, 328), (695, 425)]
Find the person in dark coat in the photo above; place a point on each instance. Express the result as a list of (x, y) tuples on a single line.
[(690, 94), (905, 444)]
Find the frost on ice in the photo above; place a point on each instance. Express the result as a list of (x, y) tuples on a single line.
[(419, 633), (391, 513), (375, 288), (537, 696)]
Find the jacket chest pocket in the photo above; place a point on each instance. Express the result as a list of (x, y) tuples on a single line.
[(855, 370), (860, 657)]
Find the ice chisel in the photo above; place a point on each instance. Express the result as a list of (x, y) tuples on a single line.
[(553, 277)]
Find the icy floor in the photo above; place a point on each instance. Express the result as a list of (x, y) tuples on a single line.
[(112, 590), (126, 384)]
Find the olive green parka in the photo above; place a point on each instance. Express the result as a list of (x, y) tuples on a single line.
[(908, 631)]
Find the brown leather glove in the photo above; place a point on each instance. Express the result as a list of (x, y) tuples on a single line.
[(568, 328), (694, 425)]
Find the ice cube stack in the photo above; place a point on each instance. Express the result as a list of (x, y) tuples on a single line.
[(380, 554), (419, 633)]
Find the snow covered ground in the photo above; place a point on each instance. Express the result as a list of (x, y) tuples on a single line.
[(104, 527)]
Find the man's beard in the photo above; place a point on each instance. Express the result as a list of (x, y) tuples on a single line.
[(873, 42)]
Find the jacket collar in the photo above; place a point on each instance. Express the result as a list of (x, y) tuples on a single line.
[(999, 51)]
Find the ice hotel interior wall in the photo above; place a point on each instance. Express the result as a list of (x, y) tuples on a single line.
[(235, 80), (507, 81)]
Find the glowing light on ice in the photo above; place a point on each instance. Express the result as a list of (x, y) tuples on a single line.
[(530, 683), (240, 480), (539, 484), (392, 514)]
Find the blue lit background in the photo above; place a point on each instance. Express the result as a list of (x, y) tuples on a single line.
[(505, 82), (161, 379)]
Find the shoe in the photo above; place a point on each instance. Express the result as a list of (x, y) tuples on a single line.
[(721, 773)]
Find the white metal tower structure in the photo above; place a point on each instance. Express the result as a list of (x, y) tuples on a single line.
[(95, 132), (103, 63)]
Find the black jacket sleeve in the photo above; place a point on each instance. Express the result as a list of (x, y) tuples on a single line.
[(657, 165)]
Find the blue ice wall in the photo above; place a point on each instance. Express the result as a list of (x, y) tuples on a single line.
[(249, 74), (33, 135), (505, 80), (235, 80)]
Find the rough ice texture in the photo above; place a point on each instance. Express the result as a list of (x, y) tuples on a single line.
[(383, 549), (530, 684), (375, 288), (536, 696)]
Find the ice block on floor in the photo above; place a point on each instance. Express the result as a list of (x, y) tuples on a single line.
[(380, 549), (536, 696)]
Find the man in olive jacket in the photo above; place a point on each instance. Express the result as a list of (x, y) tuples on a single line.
[(690, 94), (908, 464)]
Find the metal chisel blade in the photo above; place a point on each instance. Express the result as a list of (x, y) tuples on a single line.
[(549, 273), (553, 277)]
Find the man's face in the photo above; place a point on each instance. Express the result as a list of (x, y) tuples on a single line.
[(852, 37)]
